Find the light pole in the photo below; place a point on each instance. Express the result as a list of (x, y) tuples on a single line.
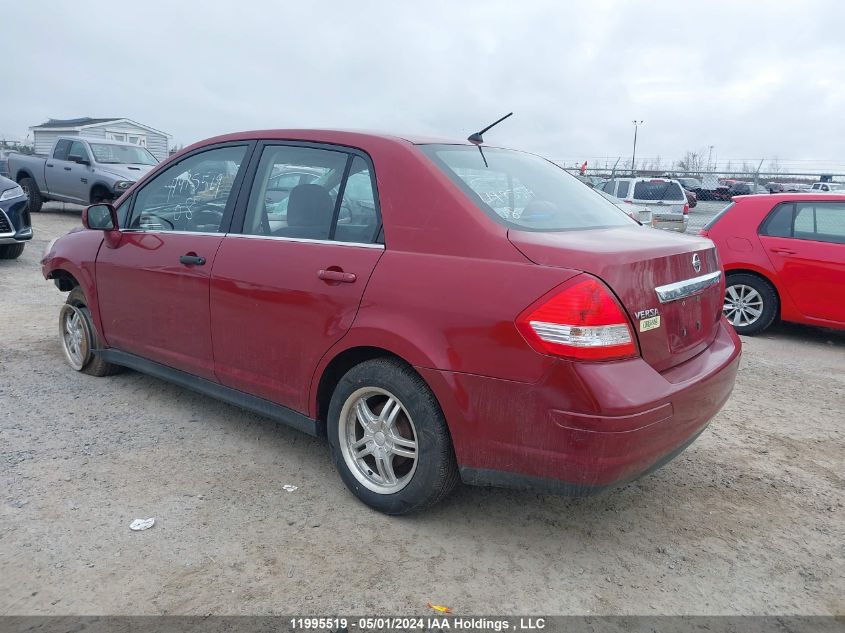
[(709, 154), (634, 154)]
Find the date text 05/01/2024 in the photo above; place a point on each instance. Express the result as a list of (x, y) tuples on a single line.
[(450, 623)]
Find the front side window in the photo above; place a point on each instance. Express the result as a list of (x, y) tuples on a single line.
[(77, 151), (191, 195), (608, 186), (522, 190)]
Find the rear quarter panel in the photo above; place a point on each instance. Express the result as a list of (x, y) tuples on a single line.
[(740, 249)]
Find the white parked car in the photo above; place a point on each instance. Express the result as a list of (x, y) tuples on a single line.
[(664, 197), (637, 212), (827, 186)]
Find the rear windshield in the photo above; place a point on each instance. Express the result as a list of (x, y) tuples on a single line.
[(659, 190), (524, 191)]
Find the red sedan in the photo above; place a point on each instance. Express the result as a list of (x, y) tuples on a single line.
[(784, 257), (438, 310)]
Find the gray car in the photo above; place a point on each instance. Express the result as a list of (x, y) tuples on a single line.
[(80, 170)]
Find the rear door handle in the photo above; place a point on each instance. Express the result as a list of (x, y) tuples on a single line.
[(337, 276), (67, 168), (782, 251), (49, 164), (192, 260)]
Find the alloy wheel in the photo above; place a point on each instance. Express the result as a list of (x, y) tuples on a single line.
[(378, 440), (74, 335), (743, 305)]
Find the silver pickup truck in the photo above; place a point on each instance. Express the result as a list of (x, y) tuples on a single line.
[(80, 170)]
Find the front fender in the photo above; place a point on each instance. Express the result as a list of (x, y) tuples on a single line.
[(76, 254)]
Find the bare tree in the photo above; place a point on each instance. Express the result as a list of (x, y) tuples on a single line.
[(692, 162), (774, 166)]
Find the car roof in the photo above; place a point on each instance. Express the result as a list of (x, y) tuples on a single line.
[(337, 136), (797, 196)]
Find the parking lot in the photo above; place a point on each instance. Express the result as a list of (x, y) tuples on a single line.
[(749, 520)]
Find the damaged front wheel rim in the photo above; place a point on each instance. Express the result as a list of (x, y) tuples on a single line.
[(75, 337)]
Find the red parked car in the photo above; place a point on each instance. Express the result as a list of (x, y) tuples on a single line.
[(438, 310), (784, 257)]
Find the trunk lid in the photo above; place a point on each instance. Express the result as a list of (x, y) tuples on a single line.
[(634, 262)]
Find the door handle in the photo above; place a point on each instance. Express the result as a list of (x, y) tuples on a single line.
[(782, 251), (67, 168), (192, 260), (49, 164), (338, 276)]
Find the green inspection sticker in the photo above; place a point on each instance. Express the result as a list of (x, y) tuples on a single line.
[(649, 324)]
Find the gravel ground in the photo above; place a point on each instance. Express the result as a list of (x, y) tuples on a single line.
[(749, 520)]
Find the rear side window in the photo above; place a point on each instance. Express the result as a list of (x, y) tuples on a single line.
[(524, 191), (62, 147), (779, 222), (658, 190), (623, 189), (820, 221), (312, 193), (283, 204)]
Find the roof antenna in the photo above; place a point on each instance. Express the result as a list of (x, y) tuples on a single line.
[(477, 137)]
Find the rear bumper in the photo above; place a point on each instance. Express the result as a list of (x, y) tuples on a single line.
[(585, 427), (671, 222)]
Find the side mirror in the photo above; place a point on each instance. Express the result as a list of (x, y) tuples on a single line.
[(79, 159), (100, 217)]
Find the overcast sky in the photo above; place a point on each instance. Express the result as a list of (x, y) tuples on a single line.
[(754, 79)]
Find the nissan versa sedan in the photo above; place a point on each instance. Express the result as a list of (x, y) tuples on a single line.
[(440, 311), (784, 257)]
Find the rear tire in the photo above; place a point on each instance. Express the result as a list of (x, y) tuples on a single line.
[(79, 336), (30, 187), (751, 303), (11, 251), (401, 459)]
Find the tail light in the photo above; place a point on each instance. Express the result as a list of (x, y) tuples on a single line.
[(686, 208), (581, 320)]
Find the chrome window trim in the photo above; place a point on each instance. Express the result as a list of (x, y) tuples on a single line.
[(165, 232), (305, 240), (687, 287), (257, 237)]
